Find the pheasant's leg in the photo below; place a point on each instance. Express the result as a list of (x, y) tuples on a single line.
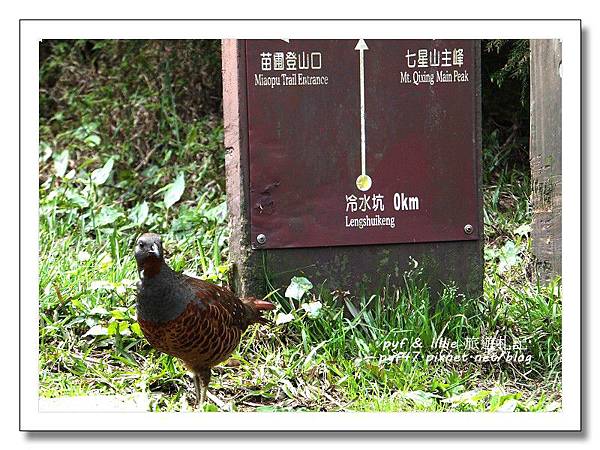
[(202, 395), (203, 378), (197, 385)]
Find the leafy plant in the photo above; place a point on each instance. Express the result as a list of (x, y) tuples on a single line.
[(298, 287), (174, 191)]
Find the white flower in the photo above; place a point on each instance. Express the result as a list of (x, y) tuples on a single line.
[(83, 256), (312, 308), (283, 318)]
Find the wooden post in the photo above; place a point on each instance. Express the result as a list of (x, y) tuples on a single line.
[(545, 156), (245, 275)]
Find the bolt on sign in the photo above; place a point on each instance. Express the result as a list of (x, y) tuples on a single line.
[(356, 142)]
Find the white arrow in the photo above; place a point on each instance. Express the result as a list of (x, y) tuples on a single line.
[(364, 181)]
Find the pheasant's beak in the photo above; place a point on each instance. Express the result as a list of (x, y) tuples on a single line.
[(154, 250)]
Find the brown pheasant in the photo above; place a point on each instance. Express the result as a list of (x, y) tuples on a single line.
[(196, 321)]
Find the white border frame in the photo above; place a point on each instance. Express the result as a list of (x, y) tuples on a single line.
[(569, 31)]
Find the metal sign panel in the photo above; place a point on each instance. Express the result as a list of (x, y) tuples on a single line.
[(361, 142)]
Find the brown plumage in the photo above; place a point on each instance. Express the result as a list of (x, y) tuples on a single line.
[(194, 320)]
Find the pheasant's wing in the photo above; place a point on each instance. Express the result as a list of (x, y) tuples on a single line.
[(220, 305)]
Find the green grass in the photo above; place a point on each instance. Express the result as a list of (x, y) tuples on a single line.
[(99, 189), (341, 358)]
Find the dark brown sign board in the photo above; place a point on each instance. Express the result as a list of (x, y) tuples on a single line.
[(348, 158)]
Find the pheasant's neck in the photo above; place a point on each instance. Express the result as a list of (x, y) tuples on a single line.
[(150, 267), (161, 296)]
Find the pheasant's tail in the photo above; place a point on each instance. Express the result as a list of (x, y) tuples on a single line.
[(257, 307)]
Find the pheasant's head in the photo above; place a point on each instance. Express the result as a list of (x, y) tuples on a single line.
[(148, 251)]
